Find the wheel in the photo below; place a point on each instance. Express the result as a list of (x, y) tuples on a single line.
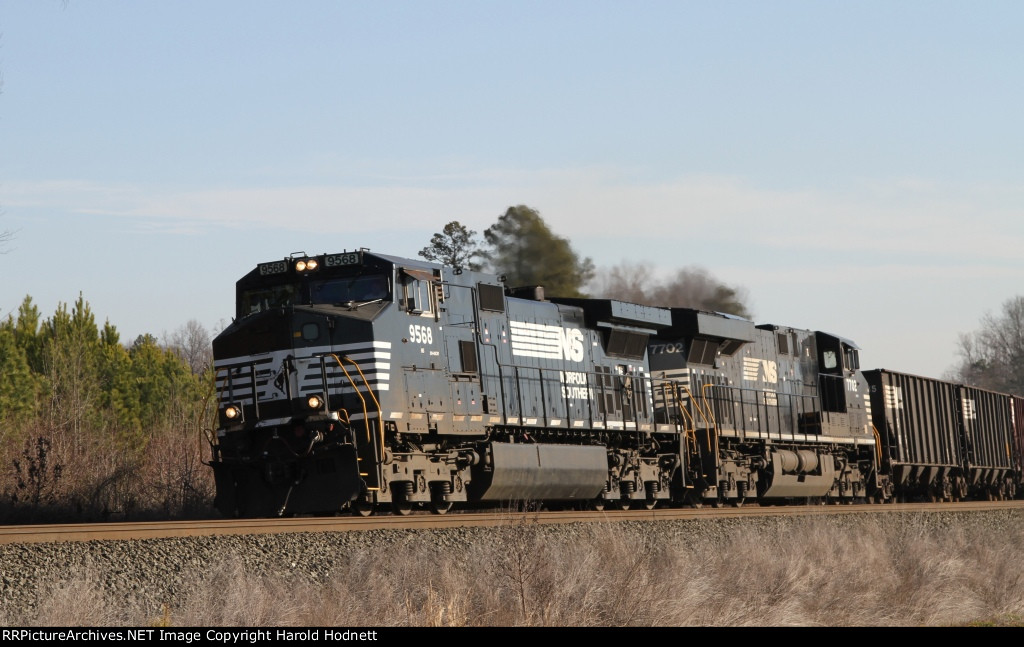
[(362, 508), (693, 500), (401, 507), (597, 504), (363, 505), (440, 506)]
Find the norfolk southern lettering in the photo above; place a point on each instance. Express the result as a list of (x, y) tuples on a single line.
[(576, 385)]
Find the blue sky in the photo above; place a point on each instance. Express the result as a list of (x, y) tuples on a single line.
[(856, 167)]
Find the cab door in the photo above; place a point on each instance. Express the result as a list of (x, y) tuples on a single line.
[(831, 373), (422, 354), (467, 404)]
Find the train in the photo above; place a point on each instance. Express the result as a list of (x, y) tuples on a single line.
[(359, 382)]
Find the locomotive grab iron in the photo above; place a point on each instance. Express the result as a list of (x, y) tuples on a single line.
[(358, 381)]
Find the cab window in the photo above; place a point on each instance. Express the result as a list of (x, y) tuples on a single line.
[(830, 359), (852, 358), (417, 297), (351, 289)]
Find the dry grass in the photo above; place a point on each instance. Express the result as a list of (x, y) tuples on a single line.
[(816, 574)]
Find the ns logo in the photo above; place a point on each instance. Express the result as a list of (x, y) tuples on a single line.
[(571, 340), (547, 341), (764, 369)]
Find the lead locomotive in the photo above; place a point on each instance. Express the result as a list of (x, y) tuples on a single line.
[(358, 380)]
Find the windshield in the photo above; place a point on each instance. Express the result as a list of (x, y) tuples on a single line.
[(267, 298), (357, 289), (340, 290)]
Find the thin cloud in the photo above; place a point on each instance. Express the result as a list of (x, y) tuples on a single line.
[(599, 205)]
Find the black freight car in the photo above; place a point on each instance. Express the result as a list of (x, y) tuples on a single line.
[(941, 440), (917, 419), (986, 419)]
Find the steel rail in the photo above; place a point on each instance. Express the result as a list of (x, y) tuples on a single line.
[(39, 533)]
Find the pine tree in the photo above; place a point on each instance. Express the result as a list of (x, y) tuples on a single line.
[(455, 246), (528, 253)]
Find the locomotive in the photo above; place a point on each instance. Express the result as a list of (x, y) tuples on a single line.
[(359, 381)]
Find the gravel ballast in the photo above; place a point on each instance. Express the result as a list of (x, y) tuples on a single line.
[(154, 573)]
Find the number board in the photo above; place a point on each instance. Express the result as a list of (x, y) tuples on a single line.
[(277, 267), (338, 260)]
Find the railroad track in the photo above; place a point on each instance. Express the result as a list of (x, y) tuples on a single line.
[(27, 534)]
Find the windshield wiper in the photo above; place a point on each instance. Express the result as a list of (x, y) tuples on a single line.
[(354, 305)]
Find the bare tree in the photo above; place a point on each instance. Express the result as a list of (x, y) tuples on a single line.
[(690, 287), (993, 356), (192, 343), (626, 281)]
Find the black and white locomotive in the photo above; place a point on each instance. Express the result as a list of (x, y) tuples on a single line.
[(360, 381)]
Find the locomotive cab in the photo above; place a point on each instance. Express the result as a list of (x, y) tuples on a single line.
[(838, 360), (298, 371)]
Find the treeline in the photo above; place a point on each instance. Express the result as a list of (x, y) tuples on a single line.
[(92, 428), (95, 429)]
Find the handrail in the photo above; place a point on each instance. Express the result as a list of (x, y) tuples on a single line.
[(714, 423), (213, 440), (690, 433), (355, 387), (700, 410), (878, 444), (229, 385), (685, 413)]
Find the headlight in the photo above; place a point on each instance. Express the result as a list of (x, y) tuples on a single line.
[(233, 412), (306, 265), (315, 402)]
